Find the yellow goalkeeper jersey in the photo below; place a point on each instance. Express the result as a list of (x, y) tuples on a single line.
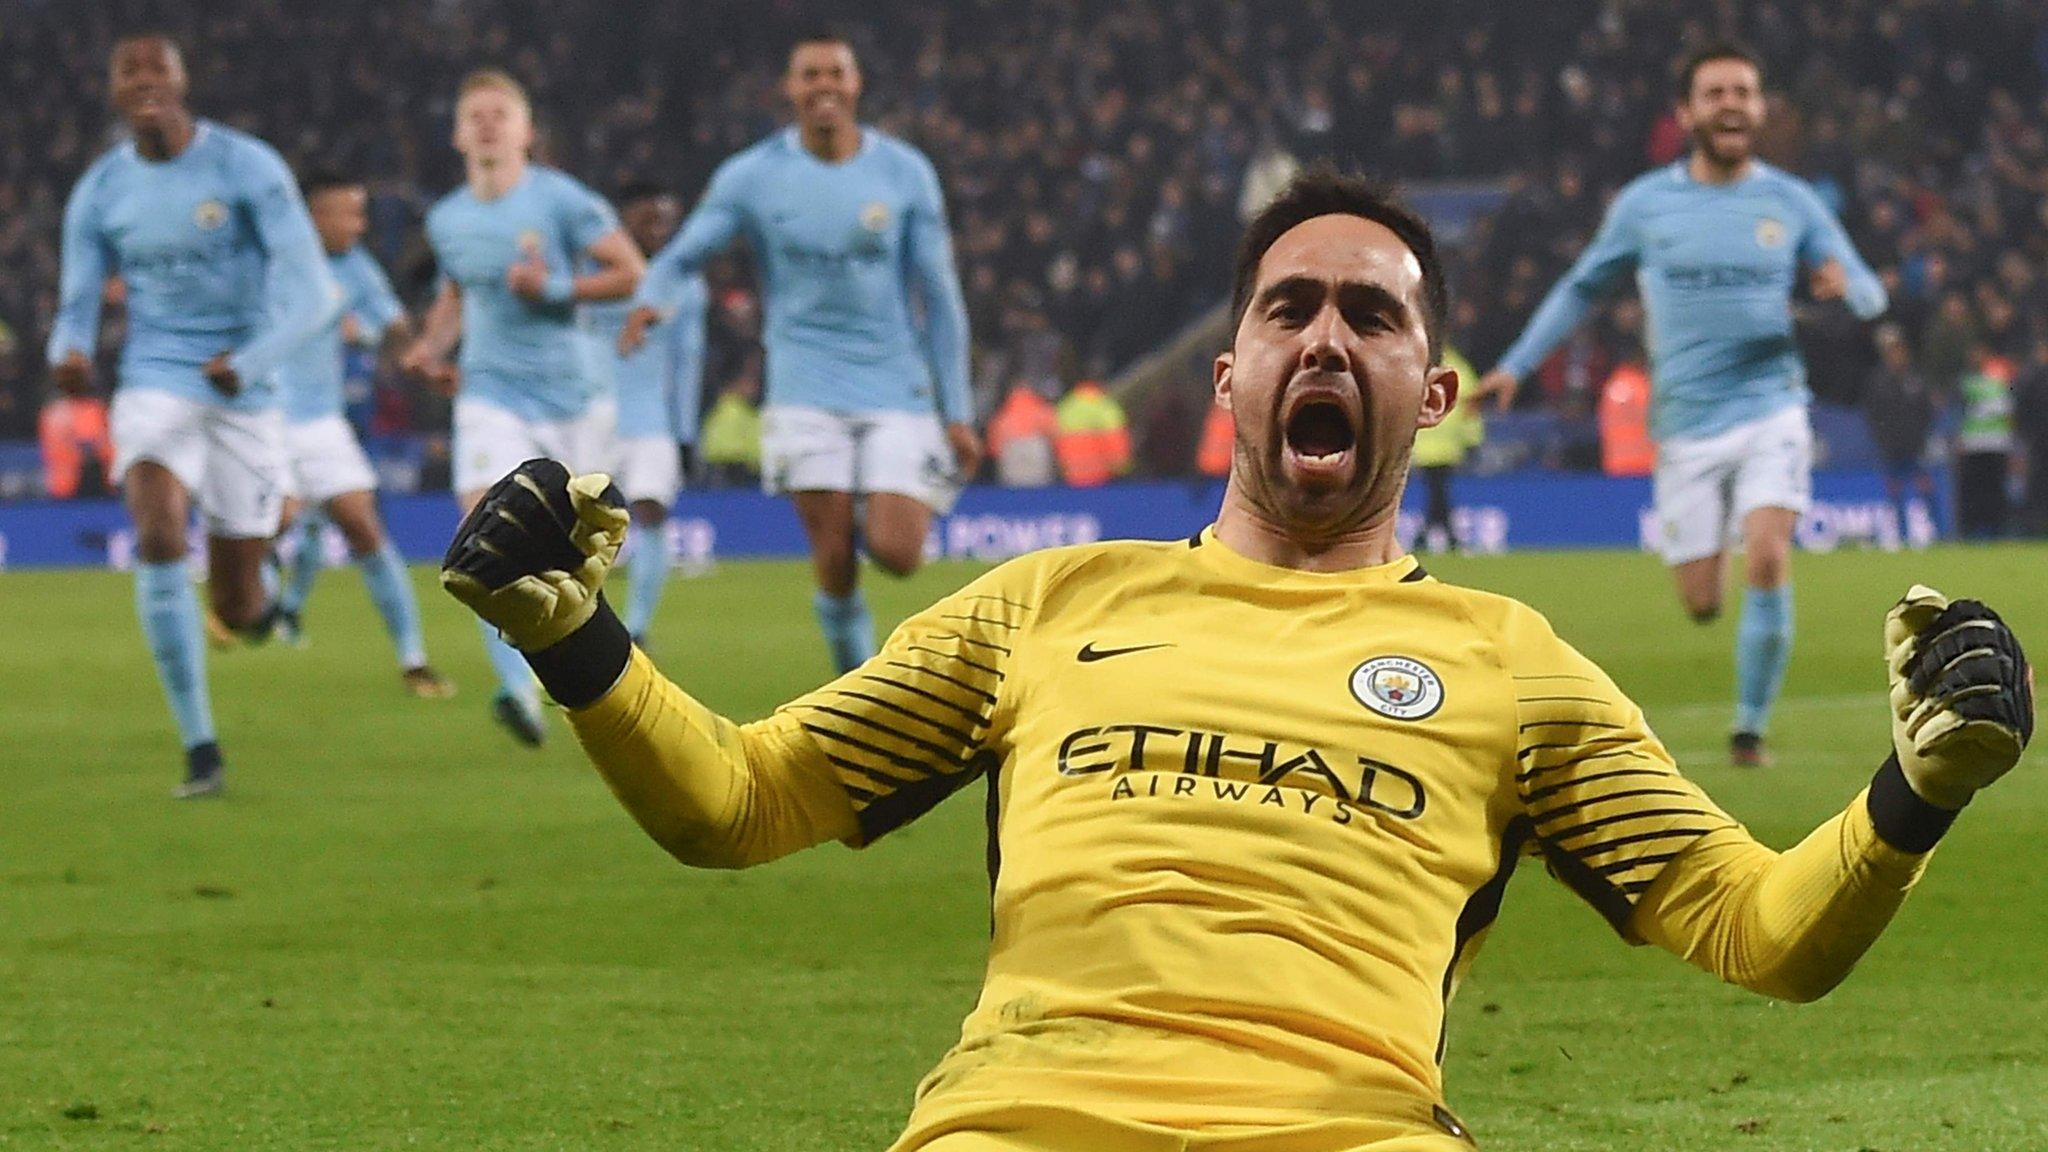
[(1247, 824), (1247, 827)]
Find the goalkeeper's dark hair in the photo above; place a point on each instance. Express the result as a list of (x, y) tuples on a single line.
[(1324, 191), (1706, 54)]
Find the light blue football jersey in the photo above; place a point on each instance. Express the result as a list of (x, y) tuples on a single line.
[(311, 377), (527, 357), (841, 248), (1716, 266), (217, 253), (660, 387)]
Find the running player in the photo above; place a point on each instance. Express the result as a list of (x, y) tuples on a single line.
[(328, 468), (659, 386), (868, 419), (224, 278), (510, 243), (1717, 241), (1254, 798)]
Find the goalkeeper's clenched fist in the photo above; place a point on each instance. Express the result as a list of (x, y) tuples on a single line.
[(1962, 695), (532, 555)]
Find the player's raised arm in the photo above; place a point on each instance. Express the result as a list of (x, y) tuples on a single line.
[(852, 761), (1618, 823), (710, 229), (1613, 252), (305, 297), (87, 261), (1839, 270), (929, 253)]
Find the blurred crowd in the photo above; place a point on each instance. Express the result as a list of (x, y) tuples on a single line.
[(1095, 155)]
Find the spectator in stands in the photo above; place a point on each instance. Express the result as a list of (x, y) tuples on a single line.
[(2030, 425), (1984, 444), (730, 441), (1900, 408), (78, 454), (1437, 455), (1021, 436), (1094, 440)]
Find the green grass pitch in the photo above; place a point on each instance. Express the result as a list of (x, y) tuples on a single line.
[(399, 930)]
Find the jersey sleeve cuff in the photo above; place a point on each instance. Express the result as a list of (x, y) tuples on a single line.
[(1901, 818), (579, 669)]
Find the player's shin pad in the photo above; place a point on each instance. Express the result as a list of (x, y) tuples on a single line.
[(1962, 696), (530, 560)]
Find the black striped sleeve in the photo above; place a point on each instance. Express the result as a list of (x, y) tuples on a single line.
[(919, 721), (1607, 806)]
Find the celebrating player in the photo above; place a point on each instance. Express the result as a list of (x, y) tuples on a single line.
[(659, 385), (328, 468), (1717, 241), (844, 221), (509, 243), (1254, 797), (224, 278)]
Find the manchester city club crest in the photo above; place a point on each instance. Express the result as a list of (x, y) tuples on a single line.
[(1770, 233), (875, 217), (1397, 687), (210, 215)]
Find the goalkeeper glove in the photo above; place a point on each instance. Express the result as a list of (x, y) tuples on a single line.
[(1962, 695), (532, 555)]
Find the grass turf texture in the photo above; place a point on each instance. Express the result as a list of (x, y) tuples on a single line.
[(400, 930)]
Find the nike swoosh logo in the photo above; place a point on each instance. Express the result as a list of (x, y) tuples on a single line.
[(1089, 653)]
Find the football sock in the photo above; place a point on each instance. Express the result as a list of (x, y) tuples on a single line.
[(391, 591), (849, 630), (514, 678), (305, 565), (169, 608), (1763, 647), (646, 575)]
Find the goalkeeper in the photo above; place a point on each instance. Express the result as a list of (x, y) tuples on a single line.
[(1253, 798)]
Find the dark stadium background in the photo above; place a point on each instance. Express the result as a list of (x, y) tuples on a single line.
[(1096, 158)]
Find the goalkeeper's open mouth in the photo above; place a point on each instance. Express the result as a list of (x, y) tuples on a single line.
[(1320, 420)]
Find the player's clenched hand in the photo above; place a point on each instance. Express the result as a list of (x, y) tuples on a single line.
[(528, 279), (634, 332), (1499, 382), (1961, 695), (1830, 281), (532, 555), (220, 372), (966, 445)]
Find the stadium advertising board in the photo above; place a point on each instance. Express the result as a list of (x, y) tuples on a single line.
[(1492, 514)]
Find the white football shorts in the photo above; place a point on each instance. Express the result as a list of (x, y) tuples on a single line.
[(326, 460), (649, 468), (233, 462), (491, 441), (1704, 487), (812, 450)]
